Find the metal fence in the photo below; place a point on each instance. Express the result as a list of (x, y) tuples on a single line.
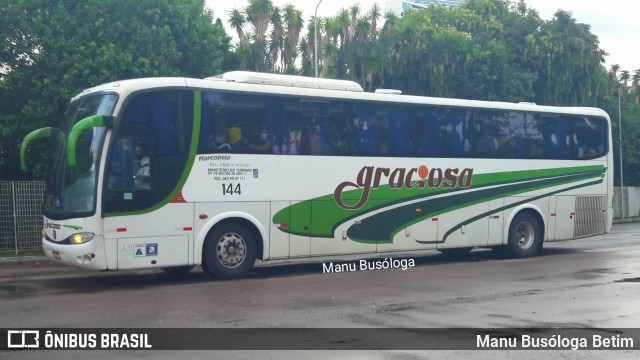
[(20, 215)]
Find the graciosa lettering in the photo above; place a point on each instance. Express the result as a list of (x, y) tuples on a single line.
[(370, 177)]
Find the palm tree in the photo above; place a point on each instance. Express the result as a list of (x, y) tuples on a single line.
[(613, 72), (375, 14), (259, 14), (345, 22), (276, 45), (635, 80), (329, 46), (306, 51), (624, 79), (355, 12), (237, 22), (294, 24), (363, 29), (390, 21)]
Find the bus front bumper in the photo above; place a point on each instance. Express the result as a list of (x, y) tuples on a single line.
[(90, 255)]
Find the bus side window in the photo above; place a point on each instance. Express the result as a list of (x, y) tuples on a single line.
[(554, 131), (518, 129), (366, 132), (319, 137), (485, 142), (214, 127), (338, 128), (400, 134), (535, 137), (289, 137), (455, 134), (587, 143), (431, 133)]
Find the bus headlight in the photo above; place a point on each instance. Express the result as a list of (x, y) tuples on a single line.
[(81, 238)]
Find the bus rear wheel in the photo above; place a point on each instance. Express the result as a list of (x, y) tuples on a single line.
[(525, 236), (229, 251)]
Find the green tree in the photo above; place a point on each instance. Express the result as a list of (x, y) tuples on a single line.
[(294, 25), (55, 49)]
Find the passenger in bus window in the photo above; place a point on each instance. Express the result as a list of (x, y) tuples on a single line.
[(319, 138), (220, 143), (457, 144), (554, 131), (261, 142), (143, 174), (572, 145), (486, 142), (235, 139), (366, 132), (585, 132), (291, 141)]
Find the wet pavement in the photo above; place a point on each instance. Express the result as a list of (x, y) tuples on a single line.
[(592, 282)]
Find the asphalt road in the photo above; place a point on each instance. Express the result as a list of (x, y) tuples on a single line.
[(592, 282)]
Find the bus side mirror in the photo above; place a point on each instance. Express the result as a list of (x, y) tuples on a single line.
[(82, 125), (42, 133)]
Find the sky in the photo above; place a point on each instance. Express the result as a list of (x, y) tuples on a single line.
[(613, 21)]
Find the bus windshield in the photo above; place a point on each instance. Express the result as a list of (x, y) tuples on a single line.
[(71, 190)]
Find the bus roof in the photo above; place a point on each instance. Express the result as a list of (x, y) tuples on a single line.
[(244, 81)]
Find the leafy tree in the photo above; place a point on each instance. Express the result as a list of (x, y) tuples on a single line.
[(55, 49)]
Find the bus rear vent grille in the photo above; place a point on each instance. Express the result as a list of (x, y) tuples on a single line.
[(591, 215)]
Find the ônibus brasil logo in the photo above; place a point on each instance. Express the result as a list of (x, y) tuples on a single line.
[(370, 177)]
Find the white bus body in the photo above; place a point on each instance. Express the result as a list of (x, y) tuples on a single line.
[(340, 171)]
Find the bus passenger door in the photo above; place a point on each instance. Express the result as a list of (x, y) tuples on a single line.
[(300, 223), (279, 241), (422, 235), (551, 219), (290, 229), (496, 222), (333, 238), (453, 232), (565, 217)]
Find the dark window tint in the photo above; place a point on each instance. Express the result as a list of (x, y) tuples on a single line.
[(150, 150), (241, 123), (237, 123)]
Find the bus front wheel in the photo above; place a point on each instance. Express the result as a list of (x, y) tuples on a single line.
[(229, 251), (525, 236)]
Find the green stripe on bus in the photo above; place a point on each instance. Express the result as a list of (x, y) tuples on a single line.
[(469, 221), (382, 227), (333, 215)]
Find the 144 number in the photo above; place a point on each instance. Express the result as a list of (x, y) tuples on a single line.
[(230, 189)]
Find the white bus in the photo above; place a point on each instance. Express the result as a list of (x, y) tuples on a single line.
[(219, 172)]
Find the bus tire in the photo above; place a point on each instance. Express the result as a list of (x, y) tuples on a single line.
[(525, 236), (229, 251)]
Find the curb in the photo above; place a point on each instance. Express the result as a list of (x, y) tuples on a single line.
[(18, 260), (626, 220)]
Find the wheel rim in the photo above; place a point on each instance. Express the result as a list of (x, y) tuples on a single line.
[(231, 250), (525, 235)]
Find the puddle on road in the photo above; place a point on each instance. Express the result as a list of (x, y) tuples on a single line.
[(591, 274), (12, 291)]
